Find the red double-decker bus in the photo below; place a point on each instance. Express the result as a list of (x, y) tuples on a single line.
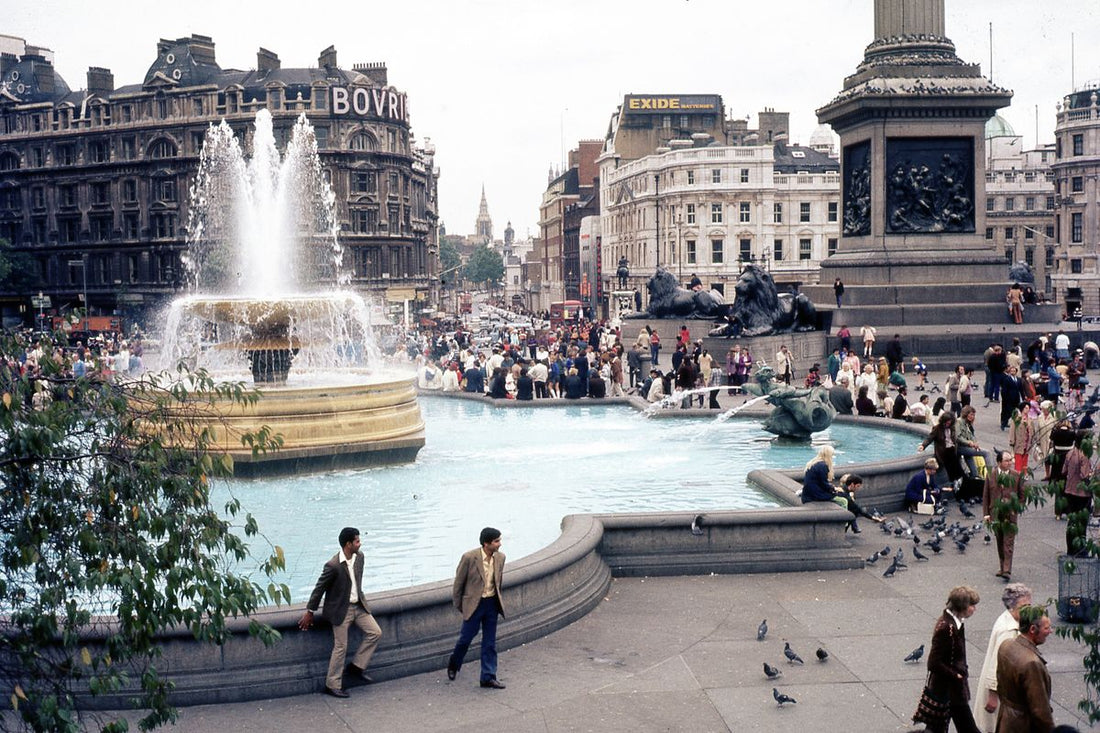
[(564, 312)]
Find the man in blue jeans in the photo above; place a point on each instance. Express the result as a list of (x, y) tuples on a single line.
[(477, 597)]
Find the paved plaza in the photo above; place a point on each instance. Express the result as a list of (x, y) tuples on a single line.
[(680, 654)]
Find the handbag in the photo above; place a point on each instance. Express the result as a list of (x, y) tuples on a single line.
[(933, 711)]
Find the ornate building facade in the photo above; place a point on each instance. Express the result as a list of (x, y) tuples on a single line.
[(708, 197), (94, 183), (1077, 197)]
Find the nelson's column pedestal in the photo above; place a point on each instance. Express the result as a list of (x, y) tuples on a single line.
[(911, 121)]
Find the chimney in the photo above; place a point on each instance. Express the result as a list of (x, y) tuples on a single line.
[(327, 60), (266, 60), (101, 81), (202, 49)]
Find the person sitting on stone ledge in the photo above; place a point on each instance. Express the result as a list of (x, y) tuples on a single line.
[(922, 488), (819, 472), (865, 405)]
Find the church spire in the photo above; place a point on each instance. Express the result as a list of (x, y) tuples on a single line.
[(483, 228)]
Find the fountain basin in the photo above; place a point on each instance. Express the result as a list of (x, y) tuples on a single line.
[(324, 428)]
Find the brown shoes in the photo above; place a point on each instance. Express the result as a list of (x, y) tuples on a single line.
[(336, 693), (493, 684)]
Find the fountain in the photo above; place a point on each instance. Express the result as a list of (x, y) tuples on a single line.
[(262, 231)]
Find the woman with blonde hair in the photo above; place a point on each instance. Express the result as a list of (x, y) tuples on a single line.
[(816, 484)]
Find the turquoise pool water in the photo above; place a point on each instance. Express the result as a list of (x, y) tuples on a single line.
[(522, 471)]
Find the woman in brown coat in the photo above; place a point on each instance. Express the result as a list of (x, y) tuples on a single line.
[(947, 670)]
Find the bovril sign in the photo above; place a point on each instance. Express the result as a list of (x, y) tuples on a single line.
[(386, 103)]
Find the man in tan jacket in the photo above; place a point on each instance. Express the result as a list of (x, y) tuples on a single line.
[(477, 597), (1001, 500), (1023, 682)]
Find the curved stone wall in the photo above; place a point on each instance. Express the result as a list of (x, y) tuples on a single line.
[(544, 591)]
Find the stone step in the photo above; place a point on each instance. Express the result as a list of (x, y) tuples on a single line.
[(946, 313), (870, 295)]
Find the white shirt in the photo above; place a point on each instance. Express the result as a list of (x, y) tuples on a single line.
[(349, 563), (1061, 342)]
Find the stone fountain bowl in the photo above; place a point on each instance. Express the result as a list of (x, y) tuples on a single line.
[(269, 316)]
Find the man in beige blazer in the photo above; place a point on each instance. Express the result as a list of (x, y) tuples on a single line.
[(477, 596), (341, 584)]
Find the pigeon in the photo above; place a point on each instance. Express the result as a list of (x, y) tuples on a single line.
[(780, 698), (987, 539), (872, 559), (936, 545), (771, 672), (822, 655), (697, 525), (790, 655), (966, 511), (900, 557), (919, 555), (884, 551), (961, 545), (916, 654), (762, 630), (889, 573)]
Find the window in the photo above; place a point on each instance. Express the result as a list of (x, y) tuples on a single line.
[(162, 149), (101, 193), (691, 213), (805, 249), (777, 250), (1077, 228), (38, 197), (130, 225), (778, 217), (1077, 184), (393, 188), (1050, 203), (834, 211), (99, 151), (101, 227), (66, 154), (717, 251), (132, 264), (833, 244), (745, 254), (129, 191), (690, 246), (1010, 233), (1075, 266), (804, 211), (1029, 203), (1029, 233), (1010, 203), (1029, 256), (1050, 231), (164, 225), (716, 175), (691, 178), (68, 228), (38, 157), (1049, 260), (1079, 144), (66, 196), (746, 212), (1029, 176), (990, 203), (129, 147), (1010, 254), (716, 213), (744, 175), (361, 141), (164, 189), (989, 232), (363, 182), (391, 139), (11, 198), (364, 221)]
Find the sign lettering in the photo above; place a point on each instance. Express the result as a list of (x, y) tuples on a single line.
[(386, 103)]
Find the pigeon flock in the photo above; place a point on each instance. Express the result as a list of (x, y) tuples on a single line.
[(938, 533)]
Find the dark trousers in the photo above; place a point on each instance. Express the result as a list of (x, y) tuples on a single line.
[(541, 391), (964, 719), (1076, 528), (485, 618)]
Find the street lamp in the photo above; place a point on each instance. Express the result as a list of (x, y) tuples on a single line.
[(84, 271)]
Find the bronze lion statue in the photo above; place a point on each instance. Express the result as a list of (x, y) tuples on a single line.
[(761, 310), (667, 299)]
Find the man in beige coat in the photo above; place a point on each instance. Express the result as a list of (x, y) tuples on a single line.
[(477, 596), (1023, 683)]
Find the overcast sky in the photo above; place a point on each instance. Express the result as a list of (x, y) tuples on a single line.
[(499, 84)]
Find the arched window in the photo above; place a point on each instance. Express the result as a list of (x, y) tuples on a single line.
[(362, 141), (162, 148), (9, 161)]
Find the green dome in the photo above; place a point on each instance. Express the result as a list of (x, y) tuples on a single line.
[(998, 127)]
